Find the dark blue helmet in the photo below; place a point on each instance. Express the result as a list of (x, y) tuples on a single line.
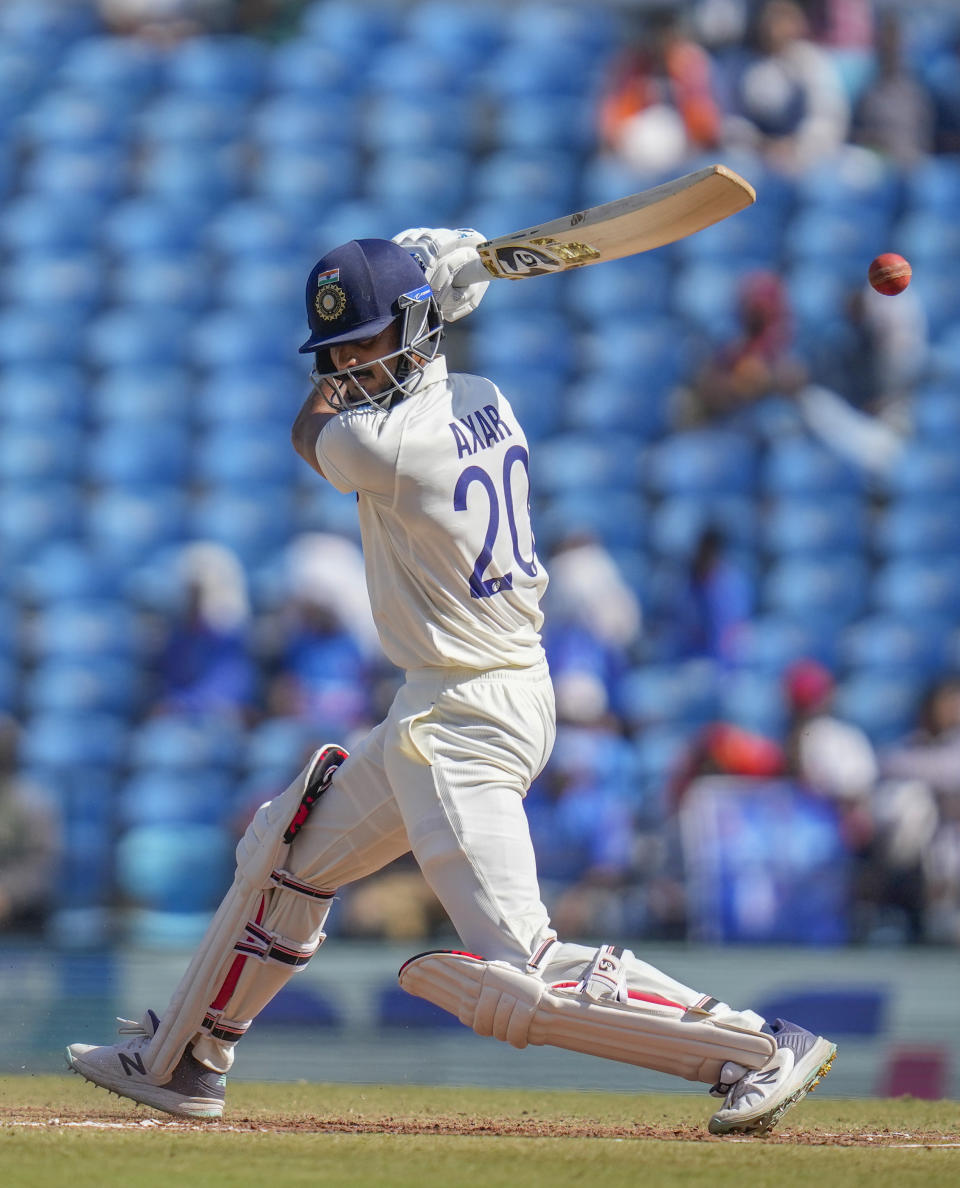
[(354, 293)]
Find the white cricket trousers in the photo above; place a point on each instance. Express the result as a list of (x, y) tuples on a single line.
[(443, 776)]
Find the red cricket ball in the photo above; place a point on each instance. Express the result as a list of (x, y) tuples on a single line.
[(890, 273)]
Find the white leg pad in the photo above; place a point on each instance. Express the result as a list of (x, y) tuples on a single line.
[(499, 1000), (261, 856)]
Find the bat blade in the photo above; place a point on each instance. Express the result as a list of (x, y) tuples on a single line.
[(638, 223)]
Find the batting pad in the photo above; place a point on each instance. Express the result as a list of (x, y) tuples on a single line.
[(260, 852), (499, 1000)]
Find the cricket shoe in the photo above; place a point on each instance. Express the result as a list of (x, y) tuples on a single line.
[(193, 1090), (756, 1100)]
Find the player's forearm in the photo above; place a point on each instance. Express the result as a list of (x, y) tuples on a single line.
[(315, 412)]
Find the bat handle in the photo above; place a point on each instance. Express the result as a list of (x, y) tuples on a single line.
[(473, 271)]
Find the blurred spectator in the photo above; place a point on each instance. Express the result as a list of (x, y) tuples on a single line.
[(724, 748), (164, 20), (708, 603), (29, 842), (205, 666), (582, 827), (594, 622), (943, 76), (324, 654), (659, 107), (932, 752), (790, 102), (760, 361), (894, 115)]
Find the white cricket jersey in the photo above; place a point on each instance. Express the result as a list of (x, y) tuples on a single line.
[(442, 482)]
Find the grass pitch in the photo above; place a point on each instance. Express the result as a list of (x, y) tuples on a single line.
[(62, 1131)]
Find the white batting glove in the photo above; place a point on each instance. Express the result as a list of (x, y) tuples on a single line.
[(443, 252)]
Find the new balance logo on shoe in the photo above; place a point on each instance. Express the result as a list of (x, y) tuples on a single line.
[(767, 1077), (132, 1064)]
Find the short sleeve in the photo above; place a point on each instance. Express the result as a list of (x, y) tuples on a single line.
[(357, 452)]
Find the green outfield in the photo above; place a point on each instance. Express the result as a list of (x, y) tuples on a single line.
[(61, 1131)]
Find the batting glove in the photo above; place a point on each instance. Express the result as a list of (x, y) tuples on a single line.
[(443, 252)]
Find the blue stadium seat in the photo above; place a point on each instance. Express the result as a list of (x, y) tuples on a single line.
[(73, 279), (34, 457), (648, 356), (129, 336), (43, 222), (320, 507), (254, 229), (124, 527), (926, 238), (613, 293), (93, 685), (43, 393), (935, 412), (795, 466), (918, 587), (89, 627), (539, 341), (279, 744), (680, 695), (616, 518), (819, 291), (171, 796), (299, 181), (838, 238), (137, 455), (176, 744), (852, 185), (407, 67), (462, 34), (180, 118), (68, 740), (242, 337), (573, 462), (544, 25), (810, 527), (95, 175), (351, 30), (432, 182), (826, 591), (894, 644), (935, 289), (569, 68), (32, 335), (256, 523), (197, 176), (271, 284), (412, 123), (513, 175), (885, 706), (179, 282), (118, 69), (933, 185), (75, 119), (769, 644), (659, 752), (63, 572), (702, 462), (608, 402), (175, 871), (309, 70), (945, 356), (132, 393), (754, 239), (243, 457), (537, 123), (220, 65), (46, 29), (678, 521), (918, 528), (245, 395), (293, 122), (925, 469), (151, 224), (36, 516), (705, 294)]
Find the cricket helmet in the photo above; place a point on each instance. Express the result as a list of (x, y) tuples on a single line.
[(353, 294)]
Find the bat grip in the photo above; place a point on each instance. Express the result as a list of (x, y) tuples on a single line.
[(473, 271)]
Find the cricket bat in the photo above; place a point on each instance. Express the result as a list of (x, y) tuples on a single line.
[(625, 227)]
